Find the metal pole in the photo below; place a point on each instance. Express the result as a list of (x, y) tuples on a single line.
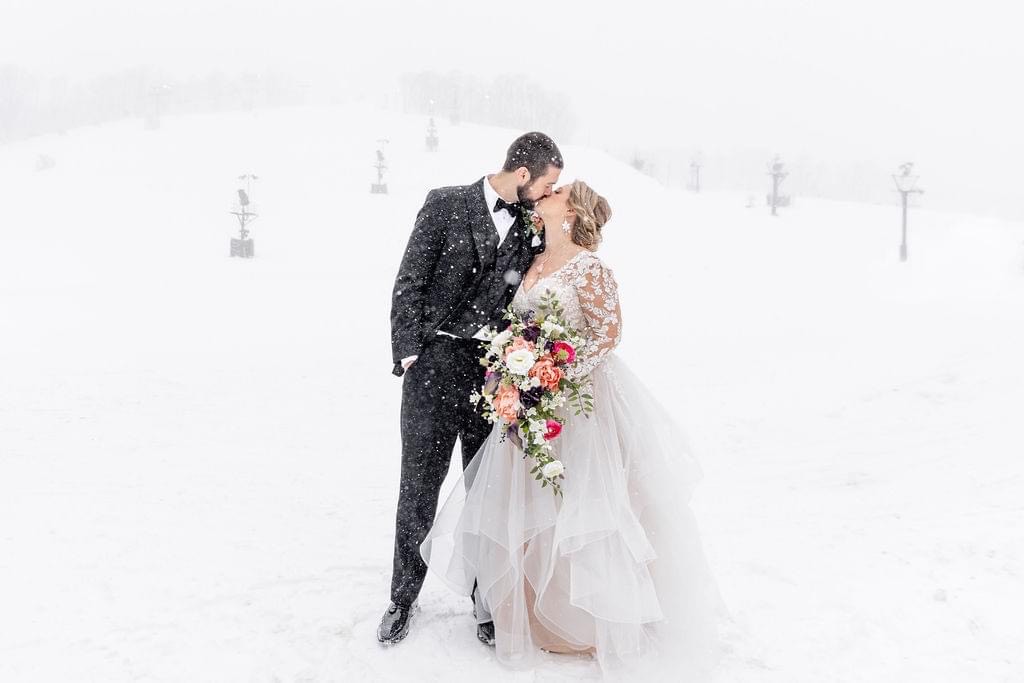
[(903, 244)]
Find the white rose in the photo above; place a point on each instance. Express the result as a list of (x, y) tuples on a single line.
[(520, 362), (552, 469), (500, 339), (548, 327)]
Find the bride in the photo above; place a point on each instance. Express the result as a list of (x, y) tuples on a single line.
[(615, 568)]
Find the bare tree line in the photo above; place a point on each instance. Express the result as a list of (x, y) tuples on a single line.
[(32, 105), (510, 101)]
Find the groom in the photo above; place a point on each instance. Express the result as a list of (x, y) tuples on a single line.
[(468, 251)]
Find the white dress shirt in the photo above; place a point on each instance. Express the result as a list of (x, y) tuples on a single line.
[(503, 222)]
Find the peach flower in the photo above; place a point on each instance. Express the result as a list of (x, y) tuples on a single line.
[(506, 403), (547, 373)]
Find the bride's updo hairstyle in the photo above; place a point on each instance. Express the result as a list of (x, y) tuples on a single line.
[(592, 212)]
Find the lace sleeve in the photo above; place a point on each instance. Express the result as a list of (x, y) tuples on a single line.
[(599, 300)]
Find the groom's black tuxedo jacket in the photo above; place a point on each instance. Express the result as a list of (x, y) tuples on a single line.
[(454, 276)]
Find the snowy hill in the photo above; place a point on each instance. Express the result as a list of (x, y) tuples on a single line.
[(199, 455)]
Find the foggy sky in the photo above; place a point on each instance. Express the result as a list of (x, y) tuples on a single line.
[(935, 82)]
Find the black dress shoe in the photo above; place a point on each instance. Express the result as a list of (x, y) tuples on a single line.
[(485, 633), (394, 625)]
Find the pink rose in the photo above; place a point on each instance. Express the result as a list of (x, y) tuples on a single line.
[(547, 373), (554, 429), (561, 347), (517, 344), (506, 403)]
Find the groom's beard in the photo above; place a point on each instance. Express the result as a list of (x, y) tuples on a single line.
[(523, 199)]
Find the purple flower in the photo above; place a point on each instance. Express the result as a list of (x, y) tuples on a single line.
[(531, 397), (531, 333)]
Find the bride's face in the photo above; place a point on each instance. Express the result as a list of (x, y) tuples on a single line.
[(553, 209)]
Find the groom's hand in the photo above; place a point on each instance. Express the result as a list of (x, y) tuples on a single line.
[(408, 361)]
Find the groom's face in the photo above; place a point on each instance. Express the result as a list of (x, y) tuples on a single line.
[(537, 188)]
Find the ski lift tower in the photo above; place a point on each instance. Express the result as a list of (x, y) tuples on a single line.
[(380, 187), (906, 185), (245, 211), (695, 166), (432, 139), (156, 95), (454, 117), (777, 172)]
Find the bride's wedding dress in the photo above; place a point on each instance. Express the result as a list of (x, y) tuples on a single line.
[(615, 568)]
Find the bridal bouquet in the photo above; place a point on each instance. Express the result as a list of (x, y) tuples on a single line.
[(527, 381)]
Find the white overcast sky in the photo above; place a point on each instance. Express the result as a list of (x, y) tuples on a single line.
[(939, 82)]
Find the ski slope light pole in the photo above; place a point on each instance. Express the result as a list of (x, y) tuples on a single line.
[(454, 117), (906, 184), (245, 211), (432, 141), (777, 173), (695, 176), (380, 187), (156, 93)]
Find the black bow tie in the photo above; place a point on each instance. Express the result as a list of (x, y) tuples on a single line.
[(514, 208)]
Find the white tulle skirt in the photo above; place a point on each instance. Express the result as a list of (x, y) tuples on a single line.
[(615, 568)]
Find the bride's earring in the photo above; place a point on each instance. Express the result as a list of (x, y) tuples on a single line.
[(566, 227)]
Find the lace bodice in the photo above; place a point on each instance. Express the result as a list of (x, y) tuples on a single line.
[(587, 290)]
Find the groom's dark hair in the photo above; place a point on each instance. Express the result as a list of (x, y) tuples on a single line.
[(536, 152)]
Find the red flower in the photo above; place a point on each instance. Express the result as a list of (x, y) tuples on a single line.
[(558, 348), (554, 429)]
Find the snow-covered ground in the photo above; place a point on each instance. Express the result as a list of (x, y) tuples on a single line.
[(199, 455)]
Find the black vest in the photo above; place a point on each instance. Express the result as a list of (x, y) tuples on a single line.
[(498, 284)]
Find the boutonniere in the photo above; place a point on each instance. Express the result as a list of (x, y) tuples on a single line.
[(533, 222)]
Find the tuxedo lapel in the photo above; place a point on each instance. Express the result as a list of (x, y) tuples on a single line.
[(484, 234)]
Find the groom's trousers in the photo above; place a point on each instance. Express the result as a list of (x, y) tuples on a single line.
[(436, 411)]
